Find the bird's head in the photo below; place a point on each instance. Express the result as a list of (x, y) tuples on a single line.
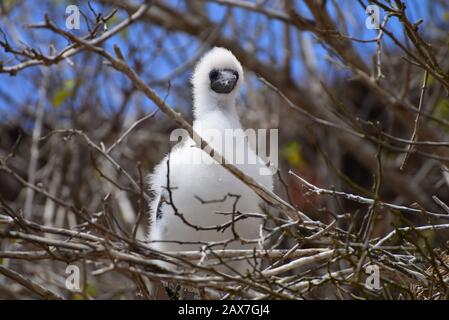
[(217, 78)]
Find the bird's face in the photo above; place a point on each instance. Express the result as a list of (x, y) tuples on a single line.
[(223, 81), (217, 76)]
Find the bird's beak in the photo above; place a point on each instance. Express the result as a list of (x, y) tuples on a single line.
[(225, 82)]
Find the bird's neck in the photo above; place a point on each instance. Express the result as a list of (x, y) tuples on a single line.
[(218, 117), (213, 125), (220, 126)]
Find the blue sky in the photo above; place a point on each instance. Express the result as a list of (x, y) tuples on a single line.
[(22, 90)]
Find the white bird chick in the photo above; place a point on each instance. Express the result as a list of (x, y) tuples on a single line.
[(194, 196)]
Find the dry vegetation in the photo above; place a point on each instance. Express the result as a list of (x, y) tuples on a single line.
[(364, 148)]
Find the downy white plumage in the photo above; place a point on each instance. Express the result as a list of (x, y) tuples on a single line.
[(199, 190)]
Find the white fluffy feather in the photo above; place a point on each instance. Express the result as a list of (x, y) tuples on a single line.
[(209, 182)]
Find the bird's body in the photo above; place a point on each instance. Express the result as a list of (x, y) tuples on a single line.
[(193, 193)]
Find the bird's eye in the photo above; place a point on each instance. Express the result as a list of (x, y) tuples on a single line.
[(213, 74)]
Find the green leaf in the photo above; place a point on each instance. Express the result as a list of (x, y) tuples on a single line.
[(426, 237), (446, 15), (292, 153), (430, 80), (78, 296), (63, 93), (90, 290), (441, 110), (124, 34), (8, 4)]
